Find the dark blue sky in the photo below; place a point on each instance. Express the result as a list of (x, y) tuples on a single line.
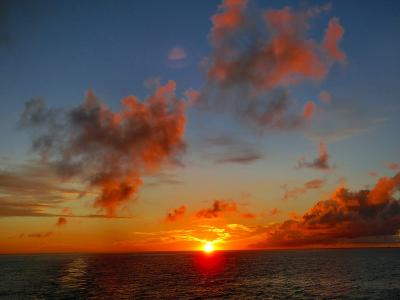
[(59, 49)]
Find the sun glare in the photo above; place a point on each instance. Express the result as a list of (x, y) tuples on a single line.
[(208, 248)]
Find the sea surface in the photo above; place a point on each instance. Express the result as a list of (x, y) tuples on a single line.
[(296, 274)]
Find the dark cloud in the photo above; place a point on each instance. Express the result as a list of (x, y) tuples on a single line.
[(220, 208), (241, 159), (33, 190), (229, 149), (319, 163), (40, 235), (61, 221), (345, 215), (295, 192), (176, 214), (110, 150)]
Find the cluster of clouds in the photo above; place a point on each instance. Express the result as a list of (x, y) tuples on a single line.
[(218, 209), (345, 215), (256, 56)]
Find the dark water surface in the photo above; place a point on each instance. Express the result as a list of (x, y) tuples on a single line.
[(303, 274)]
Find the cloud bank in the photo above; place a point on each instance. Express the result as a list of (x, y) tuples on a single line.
[(345, 215)]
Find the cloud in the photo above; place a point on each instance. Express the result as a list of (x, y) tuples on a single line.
[(191, 237), (393, 166), (274, 211), (241, 159), (192, 96), (309, 110), (110, 150), (257, 55), (61, 221), (220, 208), (32, 189), (309, 185), (333, 36), (225, 149), (325, 97), (177, 58), (281, 55), (40, 235), (163, 178), (177, 53), (345, 215), (319, 163), (176, 214), (248, 215)]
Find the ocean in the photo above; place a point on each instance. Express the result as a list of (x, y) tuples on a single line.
[(277, 274)]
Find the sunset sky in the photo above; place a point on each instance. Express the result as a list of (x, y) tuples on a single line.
[(166, 125)]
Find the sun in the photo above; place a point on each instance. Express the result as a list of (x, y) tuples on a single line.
[(208, 247)]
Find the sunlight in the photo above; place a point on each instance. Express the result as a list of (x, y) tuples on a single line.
[(208, 247)]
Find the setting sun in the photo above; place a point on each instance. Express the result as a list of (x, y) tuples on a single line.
[(208, 247)]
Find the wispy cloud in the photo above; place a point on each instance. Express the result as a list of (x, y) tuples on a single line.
[(296, 192), (319, 163), (241, 159), (225, 149), (40, 235)]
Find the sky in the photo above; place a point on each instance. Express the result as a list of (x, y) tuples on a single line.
[(166, 125)]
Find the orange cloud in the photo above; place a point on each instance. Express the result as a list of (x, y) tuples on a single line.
[(309, 110), (275, 211), (229, 19), (255, 53), (61, 221), (285, 56), (345, 215), (248, 215), (218, 209), (333, 36), (176, 214), (110, 150), (319, 163)]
